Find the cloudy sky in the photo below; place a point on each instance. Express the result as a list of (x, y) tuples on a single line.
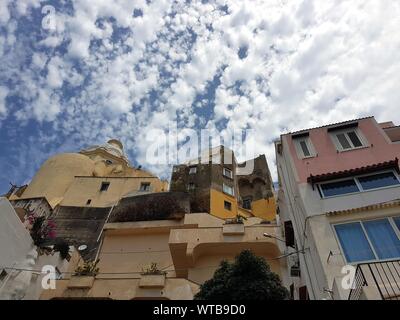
[(88, 70)]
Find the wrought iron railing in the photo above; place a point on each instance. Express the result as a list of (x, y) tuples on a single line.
[(381, 279)]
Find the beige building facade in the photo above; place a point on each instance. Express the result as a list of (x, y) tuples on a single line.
[(186, 252)]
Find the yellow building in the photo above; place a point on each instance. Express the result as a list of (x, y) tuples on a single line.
[(151, 242), (98, 176), (219, 188)]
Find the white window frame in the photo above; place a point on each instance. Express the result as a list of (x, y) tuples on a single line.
[(191, 188), (227, 186), (360, 188), (358, 133), (299, 149), (224, 173), (392, 223)]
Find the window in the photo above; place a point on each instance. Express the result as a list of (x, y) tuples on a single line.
[(339, 188), (303, 293), (191, 186), (104, 186), (227, 205), (247, 203), (227, 173), (145, 186), (359, 184), (369, 240), (193, 170), (289, 234), (397, 222), (228, 189), (348, 139), (89, 201), (354, 242), (304, 147), (383, 238), (378, 180)]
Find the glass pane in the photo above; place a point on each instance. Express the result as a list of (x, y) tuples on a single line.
[(304, 147), (378, 181), (383, 238), (354, 242), (343, 141), (397, 222), (228, 189), (339, 188), (354, 139)]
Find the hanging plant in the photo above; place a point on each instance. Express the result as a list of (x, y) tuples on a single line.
[(40, 228)]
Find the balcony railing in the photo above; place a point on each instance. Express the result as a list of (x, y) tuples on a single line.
[(377, 280)]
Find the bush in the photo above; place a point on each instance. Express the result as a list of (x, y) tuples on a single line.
[(63, 248), (248, 278)]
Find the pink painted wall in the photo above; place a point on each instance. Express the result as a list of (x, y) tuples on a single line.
[(329, 160)]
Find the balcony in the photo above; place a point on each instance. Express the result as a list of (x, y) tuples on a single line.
[(377, 281)]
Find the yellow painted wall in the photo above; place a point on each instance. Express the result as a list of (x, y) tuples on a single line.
[(56, 175), (264, 209), (85, 188), (217, 209)]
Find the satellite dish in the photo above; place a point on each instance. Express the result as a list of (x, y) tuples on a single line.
[(82, 247)]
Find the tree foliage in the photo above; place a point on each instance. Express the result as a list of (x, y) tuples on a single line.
[(248, 278)]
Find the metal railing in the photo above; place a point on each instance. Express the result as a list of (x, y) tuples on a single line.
[(381, 279)]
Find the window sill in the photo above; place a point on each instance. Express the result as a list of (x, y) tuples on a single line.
[(353, 149), (362, 192), (229, 195), (310, 157)]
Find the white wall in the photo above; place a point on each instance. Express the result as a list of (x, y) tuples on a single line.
[(18, 251)]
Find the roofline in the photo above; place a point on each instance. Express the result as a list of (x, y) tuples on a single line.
[(326, 126), (376, 206)]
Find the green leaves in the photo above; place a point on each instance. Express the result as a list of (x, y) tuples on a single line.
[(248, 278)]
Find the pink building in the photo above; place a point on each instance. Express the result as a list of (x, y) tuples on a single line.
[(339, 202)]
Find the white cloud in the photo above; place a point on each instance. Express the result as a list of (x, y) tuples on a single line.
[(3, 95), (4, 12), (308, 63)]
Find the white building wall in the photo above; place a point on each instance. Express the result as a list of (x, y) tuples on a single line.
[(313, 228), (17, 255)]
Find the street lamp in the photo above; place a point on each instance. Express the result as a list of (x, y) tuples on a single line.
[(267, 235)]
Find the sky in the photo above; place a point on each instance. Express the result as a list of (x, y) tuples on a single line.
[(74, 73)]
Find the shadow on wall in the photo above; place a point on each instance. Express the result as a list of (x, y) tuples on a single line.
[(155, 206)]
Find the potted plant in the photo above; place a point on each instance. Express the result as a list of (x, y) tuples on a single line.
[(84, 275), (234, 226), (152, 277), (89, 268)]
